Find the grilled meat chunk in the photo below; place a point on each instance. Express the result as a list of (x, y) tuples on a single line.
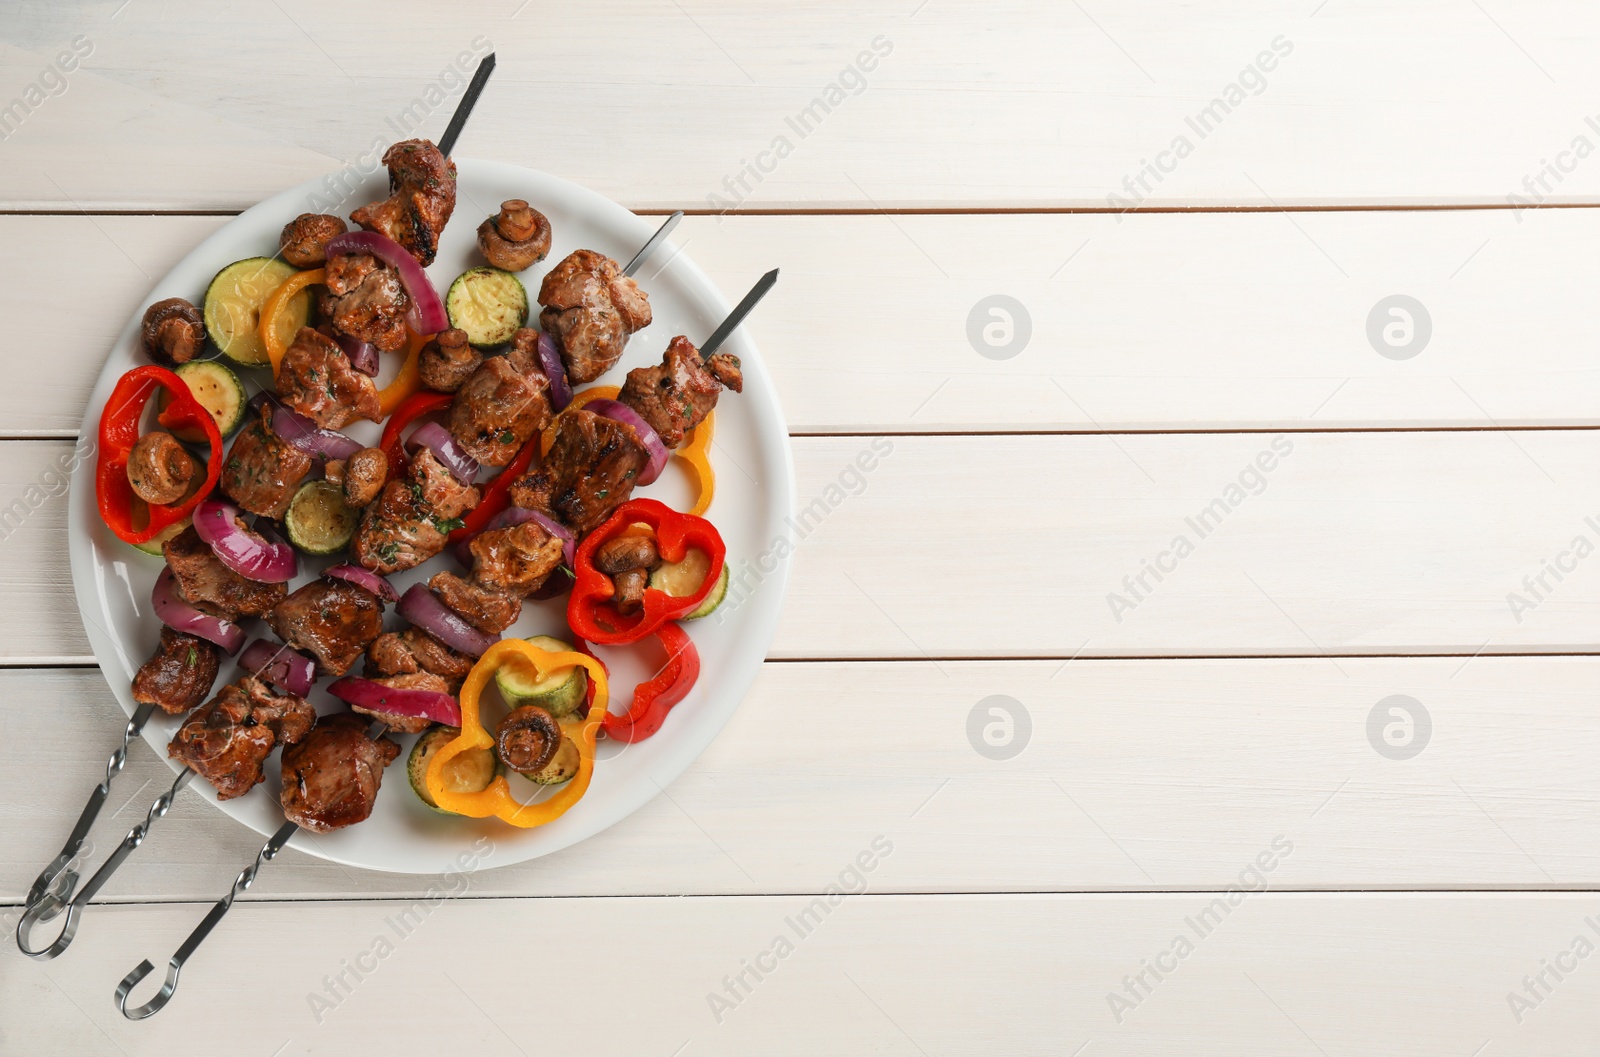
[(503, 404), (160, 470), (263, 470), (409, 522), (675, 396), (517, 237), (211, 587), (515, 560), (414, 650), (179, 676), (424, 183), (367, 301), (589, 472), (447, 361), (397, 721), (228, 739), (316, 380), (487, 610), (332, 775), (363, 476), (172, 332), (332, 620), (590, 308), (304, 240)]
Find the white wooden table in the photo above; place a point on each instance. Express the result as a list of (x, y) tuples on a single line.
[(1358, 512)]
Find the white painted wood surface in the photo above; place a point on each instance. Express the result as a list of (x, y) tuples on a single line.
[(1167, 351)]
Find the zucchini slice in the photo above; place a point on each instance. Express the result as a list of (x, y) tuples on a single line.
[(153, 544), (558, 693), (318, 520), (233, 308), (488, 304), (218, 390), (683, 578), (467, 772), (563, 765)]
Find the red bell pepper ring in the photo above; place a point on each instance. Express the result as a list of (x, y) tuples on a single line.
[(408, 412), (496, 494), (590, 612), (654, 698), (119, 432)]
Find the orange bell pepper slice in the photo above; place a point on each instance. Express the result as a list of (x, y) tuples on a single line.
[(497, 800), (696, 454), (597, 392), (274, 307), (408, 382)]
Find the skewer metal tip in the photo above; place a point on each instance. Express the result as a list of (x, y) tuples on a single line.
[(469, 99), (742, 309)]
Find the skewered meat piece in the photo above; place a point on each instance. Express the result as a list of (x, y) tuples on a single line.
[(411, 519), (503, 404), (160, 470), (172, 332), (447, 361), (363, 476), (517, 559), (304, 240), (211, 587), (399, 722), (487, 610), (676, 395), (331, 776), (589, 472), (516, 238), (590, 308), (317, 380), (414, 650), (179, 676), (367, 301), (424, 184), (332, 620), (228, 739), (263, 470)]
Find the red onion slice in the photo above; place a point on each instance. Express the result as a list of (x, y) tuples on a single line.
[(252, 557), (437, 439), (555, 371), (426, 314), (363, 357), (620, 412), (279, 665), (423, 608), (364, 578), (374, 696), (179, 615), (305, 435)]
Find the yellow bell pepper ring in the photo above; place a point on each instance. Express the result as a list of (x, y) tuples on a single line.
[(697, 456), (497, 800), (275, 305)]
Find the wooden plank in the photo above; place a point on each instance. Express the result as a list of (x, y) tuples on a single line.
[(1280, 974), (1111, 776), (962, 105), (1008, 546), (1210, 321)]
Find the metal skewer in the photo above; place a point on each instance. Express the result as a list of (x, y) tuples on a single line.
[(241, 884), (740, 310), (276, 842), (650, 247), (56, 878)]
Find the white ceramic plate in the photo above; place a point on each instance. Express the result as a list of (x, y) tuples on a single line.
[(755, 485)]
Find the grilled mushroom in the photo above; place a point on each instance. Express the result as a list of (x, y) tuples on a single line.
[(517, 237), (160, 469), (173, 331), (527, 738), (304, 240)]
